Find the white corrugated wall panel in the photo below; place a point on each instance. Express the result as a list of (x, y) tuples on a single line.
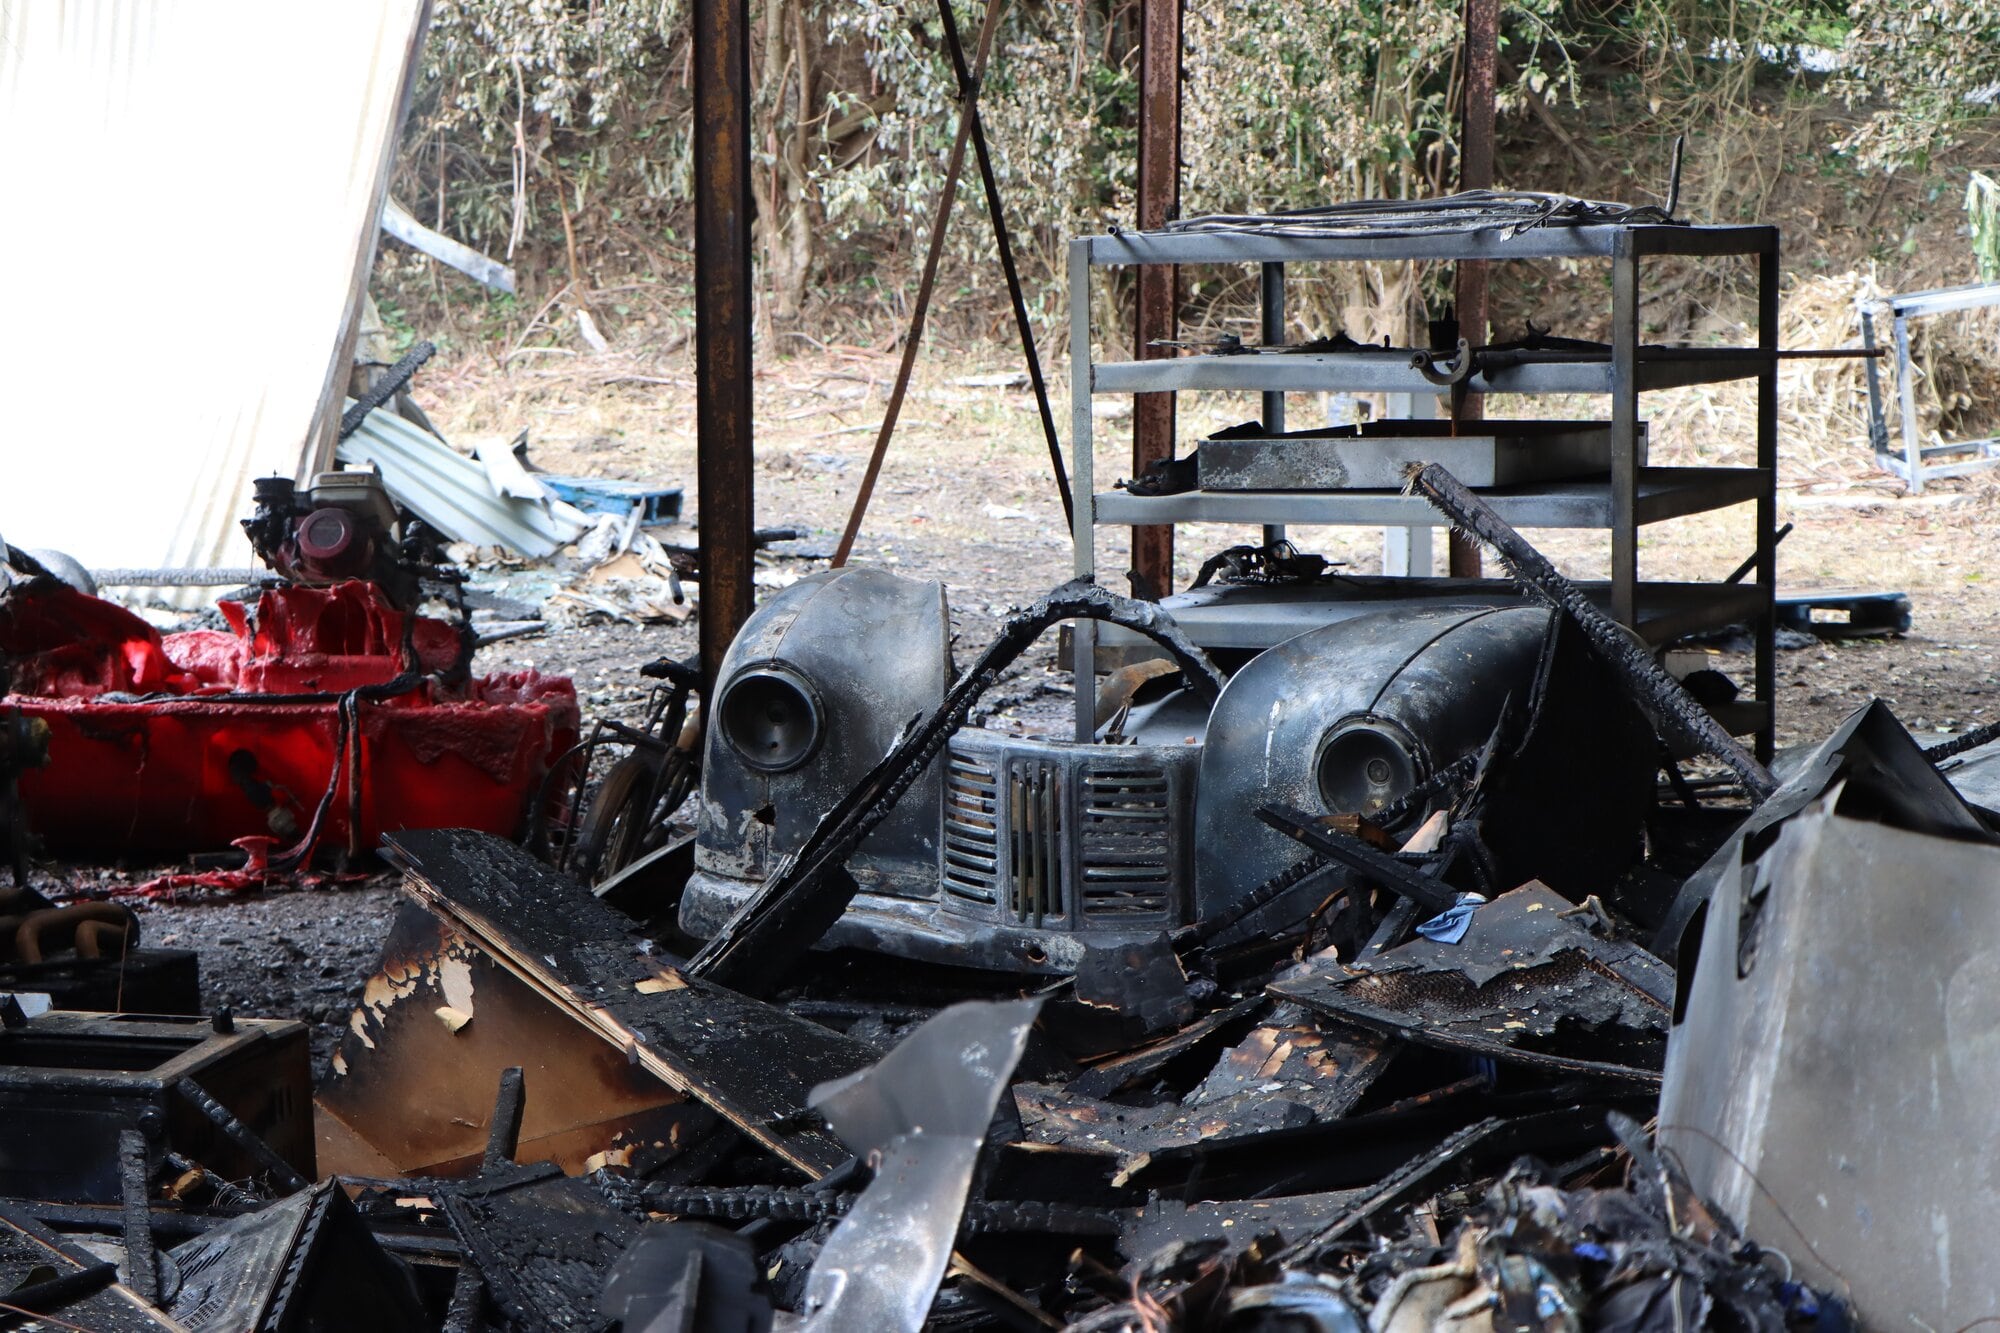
[(192, 189)]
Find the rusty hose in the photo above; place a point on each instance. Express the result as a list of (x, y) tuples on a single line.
[(100, 939), (89, 923)]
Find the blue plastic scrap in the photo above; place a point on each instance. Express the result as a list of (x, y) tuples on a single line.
[(607, 495), (1450, 925)]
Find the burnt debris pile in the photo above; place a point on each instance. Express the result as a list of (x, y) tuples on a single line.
[(1513, 1042)]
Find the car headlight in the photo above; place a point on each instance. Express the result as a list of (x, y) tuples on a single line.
[(770, 715), (1365, 765)]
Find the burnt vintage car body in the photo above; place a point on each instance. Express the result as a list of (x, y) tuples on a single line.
[(1015, 851)]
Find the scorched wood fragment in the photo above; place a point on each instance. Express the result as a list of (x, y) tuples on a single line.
[(750, 1061)]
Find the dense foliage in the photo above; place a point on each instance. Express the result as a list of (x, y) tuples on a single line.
[(555, 131)]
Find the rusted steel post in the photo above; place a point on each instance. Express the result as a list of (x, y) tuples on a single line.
[(1475, 172), (1159, 284), (724, 465)]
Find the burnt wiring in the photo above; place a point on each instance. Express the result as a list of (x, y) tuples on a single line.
[(1511, 211), (1278, 562)]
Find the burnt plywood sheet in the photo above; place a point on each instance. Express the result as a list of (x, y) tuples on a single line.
[(752, 1062), (412, 1083)]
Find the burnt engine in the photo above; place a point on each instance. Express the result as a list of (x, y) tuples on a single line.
[(344, 526)]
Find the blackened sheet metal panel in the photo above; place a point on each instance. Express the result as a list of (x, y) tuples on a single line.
[(1833, 1084)]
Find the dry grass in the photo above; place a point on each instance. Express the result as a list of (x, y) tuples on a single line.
[(964, 454)]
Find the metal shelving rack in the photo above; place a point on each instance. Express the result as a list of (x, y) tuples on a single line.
[(1632, 496), (1921, 462)]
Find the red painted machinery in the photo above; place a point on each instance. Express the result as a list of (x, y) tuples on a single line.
[(326, 717)]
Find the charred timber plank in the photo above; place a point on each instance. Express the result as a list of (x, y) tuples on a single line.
[(1676, 712), (467, 1312), (750, 1061), (141, 1260)]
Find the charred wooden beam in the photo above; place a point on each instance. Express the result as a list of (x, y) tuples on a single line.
[(141, 1262), (1377, 866), (1666, 701), (504, 1135)]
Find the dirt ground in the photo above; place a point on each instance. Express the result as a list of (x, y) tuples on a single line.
[(965, 496)]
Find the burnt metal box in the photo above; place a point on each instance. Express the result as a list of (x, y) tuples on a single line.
[(1374, 456), (69, 1082)]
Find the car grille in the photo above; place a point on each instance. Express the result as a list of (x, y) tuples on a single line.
[(1042, 833), (1035, 800), (971, 842), (1126, 828)]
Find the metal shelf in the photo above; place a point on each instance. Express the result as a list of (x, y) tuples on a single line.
[(1555, 242), (1662, 493), (1630, 497), (1666, 611), (1391, 372)]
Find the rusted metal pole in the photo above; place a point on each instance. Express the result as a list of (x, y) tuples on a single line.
[(1159, 284), (1475, 172), (920, 311), (724, 464)]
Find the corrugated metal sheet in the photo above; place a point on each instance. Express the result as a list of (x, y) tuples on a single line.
[(459, 496), (194, 188)]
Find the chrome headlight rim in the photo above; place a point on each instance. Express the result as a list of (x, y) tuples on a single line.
[(770, 672), (1406, 753)]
